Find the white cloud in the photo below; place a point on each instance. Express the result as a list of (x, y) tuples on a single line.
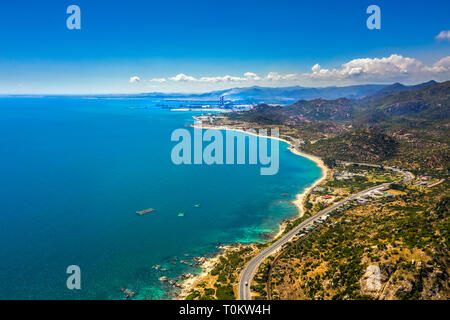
[(275, 76), (363, 70), (316, 68), (182, 77), (367, 68), (226, 78), (160, 80), (252, 76), (443, 35), (135, 79), (442, 66), (185, 78)]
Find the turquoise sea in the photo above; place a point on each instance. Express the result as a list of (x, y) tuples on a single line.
[(73, 172)]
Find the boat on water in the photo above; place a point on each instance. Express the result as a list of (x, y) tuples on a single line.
[(181, 214), (145, 211)]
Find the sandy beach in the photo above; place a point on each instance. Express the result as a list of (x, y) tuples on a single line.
[(301, 196), (209, 264)]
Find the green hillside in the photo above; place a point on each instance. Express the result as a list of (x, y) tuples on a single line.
[(403, 125)]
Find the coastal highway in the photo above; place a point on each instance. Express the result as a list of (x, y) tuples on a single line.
[(250, 269)]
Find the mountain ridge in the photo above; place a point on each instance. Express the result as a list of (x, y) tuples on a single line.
[(416, 118)]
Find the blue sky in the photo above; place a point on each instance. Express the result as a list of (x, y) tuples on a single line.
[(194, 45)]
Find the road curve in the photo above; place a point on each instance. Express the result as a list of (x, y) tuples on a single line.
[(250, 269)]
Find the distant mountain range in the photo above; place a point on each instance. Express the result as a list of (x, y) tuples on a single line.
[(404, 124), (429, 101), (398, 87), (272, 95), (288, 95)]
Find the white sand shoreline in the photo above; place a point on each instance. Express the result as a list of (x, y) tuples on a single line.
[(208, 265)]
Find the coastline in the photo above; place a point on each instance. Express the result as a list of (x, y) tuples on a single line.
[(207, 266), (189, 284)]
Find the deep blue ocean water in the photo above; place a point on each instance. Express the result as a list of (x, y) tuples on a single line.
[(74, 171)]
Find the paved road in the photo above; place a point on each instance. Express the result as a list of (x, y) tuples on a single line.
[(250, 270)]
